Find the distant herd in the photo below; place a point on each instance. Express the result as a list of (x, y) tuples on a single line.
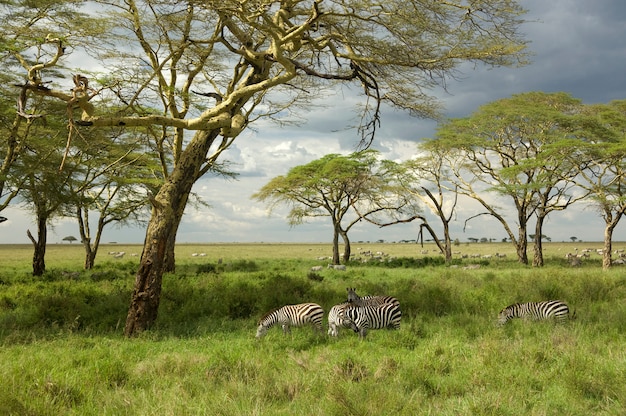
[(361, 314)]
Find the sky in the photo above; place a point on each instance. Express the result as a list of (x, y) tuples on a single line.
[(578, 47)]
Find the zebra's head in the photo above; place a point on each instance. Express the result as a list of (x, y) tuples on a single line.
[(352, 296), (261, 330), (350, 316), (506, 314)]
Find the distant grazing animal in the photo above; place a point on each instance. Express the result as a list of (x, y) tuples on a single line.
[(369, 299), (364, 318), (550, 309), (119, 255), (341, 267), (336, 319), (292, 315)]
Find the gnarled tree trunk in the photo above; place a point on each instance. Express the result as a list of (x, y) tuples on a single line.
[(168, 206)]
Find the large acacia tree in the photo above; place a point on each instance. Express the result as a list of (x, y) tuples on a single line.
[(344, 188), (212, 67)]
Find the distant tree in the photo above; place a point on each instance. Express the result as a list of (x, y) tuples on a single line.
[(70, 238), (346, 189), (426, 179), (472, 240), (598, 150), (511, 147), (573, 239)]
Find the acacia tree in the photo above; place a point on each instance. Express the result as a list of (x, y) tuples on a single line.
[(427, 179), (598, 150), (344, 188), (208, 66), (510, 148), (43, 188)]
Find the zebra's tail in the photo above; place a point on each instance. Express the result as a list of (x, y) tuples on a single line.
[(573, 316)]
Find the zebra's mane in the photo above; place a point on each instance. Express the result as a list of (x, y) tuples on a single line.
[(268, 314)]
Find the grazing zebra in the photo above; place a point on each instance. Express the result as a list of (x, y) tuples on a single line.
[(336, 319), (363, 318), (550, 309), (369, 299), (292, 315)]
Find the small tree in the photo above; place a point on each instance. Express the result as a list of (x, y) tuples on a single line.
[(344, 188), (70, 238), (427, 180)]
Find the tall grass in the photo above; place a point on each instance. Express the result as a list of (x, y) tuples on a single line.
[(62, 349)]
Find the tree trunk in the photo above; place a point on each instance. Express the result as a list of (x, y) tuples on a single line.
[(168, 206), (347, 251), (447, 242), (169, 265), (39, 254), (336, 245), (608, 245), (90, 254), (538, 245), (522, 246)]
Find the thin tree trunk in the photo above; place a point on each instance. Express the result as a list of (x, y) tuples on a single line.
[(39, 246), (447, 242), (168, 206), (522, 246), (336, 245), (538, 245)]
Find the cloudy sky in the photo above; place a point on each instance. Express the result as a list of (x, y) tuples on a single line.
[(578, 48)]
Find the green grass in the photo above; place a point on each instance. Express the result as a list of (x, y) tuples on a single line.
[(62, 349)]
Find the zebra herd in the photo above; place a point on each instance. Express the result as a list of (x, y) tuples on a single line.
[(377, 312), (357, 313)]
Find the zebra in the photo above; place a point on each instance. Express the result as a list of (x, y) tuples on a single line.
[(292, 315), (369, 299), (549, 309), (363, 318), (336, 319)]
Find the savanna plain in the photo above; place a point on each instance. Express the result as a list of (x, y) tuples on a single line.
[(62, 349)]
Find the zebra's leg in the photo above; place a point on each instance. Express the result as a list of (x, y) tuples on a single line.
[(286, 329)]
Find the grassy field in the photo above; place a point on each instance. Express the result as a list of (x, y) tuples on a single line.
[(62, 351)]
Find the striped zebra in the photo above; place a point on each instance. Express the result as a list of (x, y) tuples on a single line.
[(550, 309), (336, 319), (369, 299), (292, 315), (364, 318)]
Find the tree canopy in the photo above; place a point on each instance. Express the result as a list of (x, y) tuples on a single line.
[(344, 188)]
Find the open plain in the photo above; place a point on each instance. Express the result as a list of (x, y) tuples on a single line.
[(62, 350)]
